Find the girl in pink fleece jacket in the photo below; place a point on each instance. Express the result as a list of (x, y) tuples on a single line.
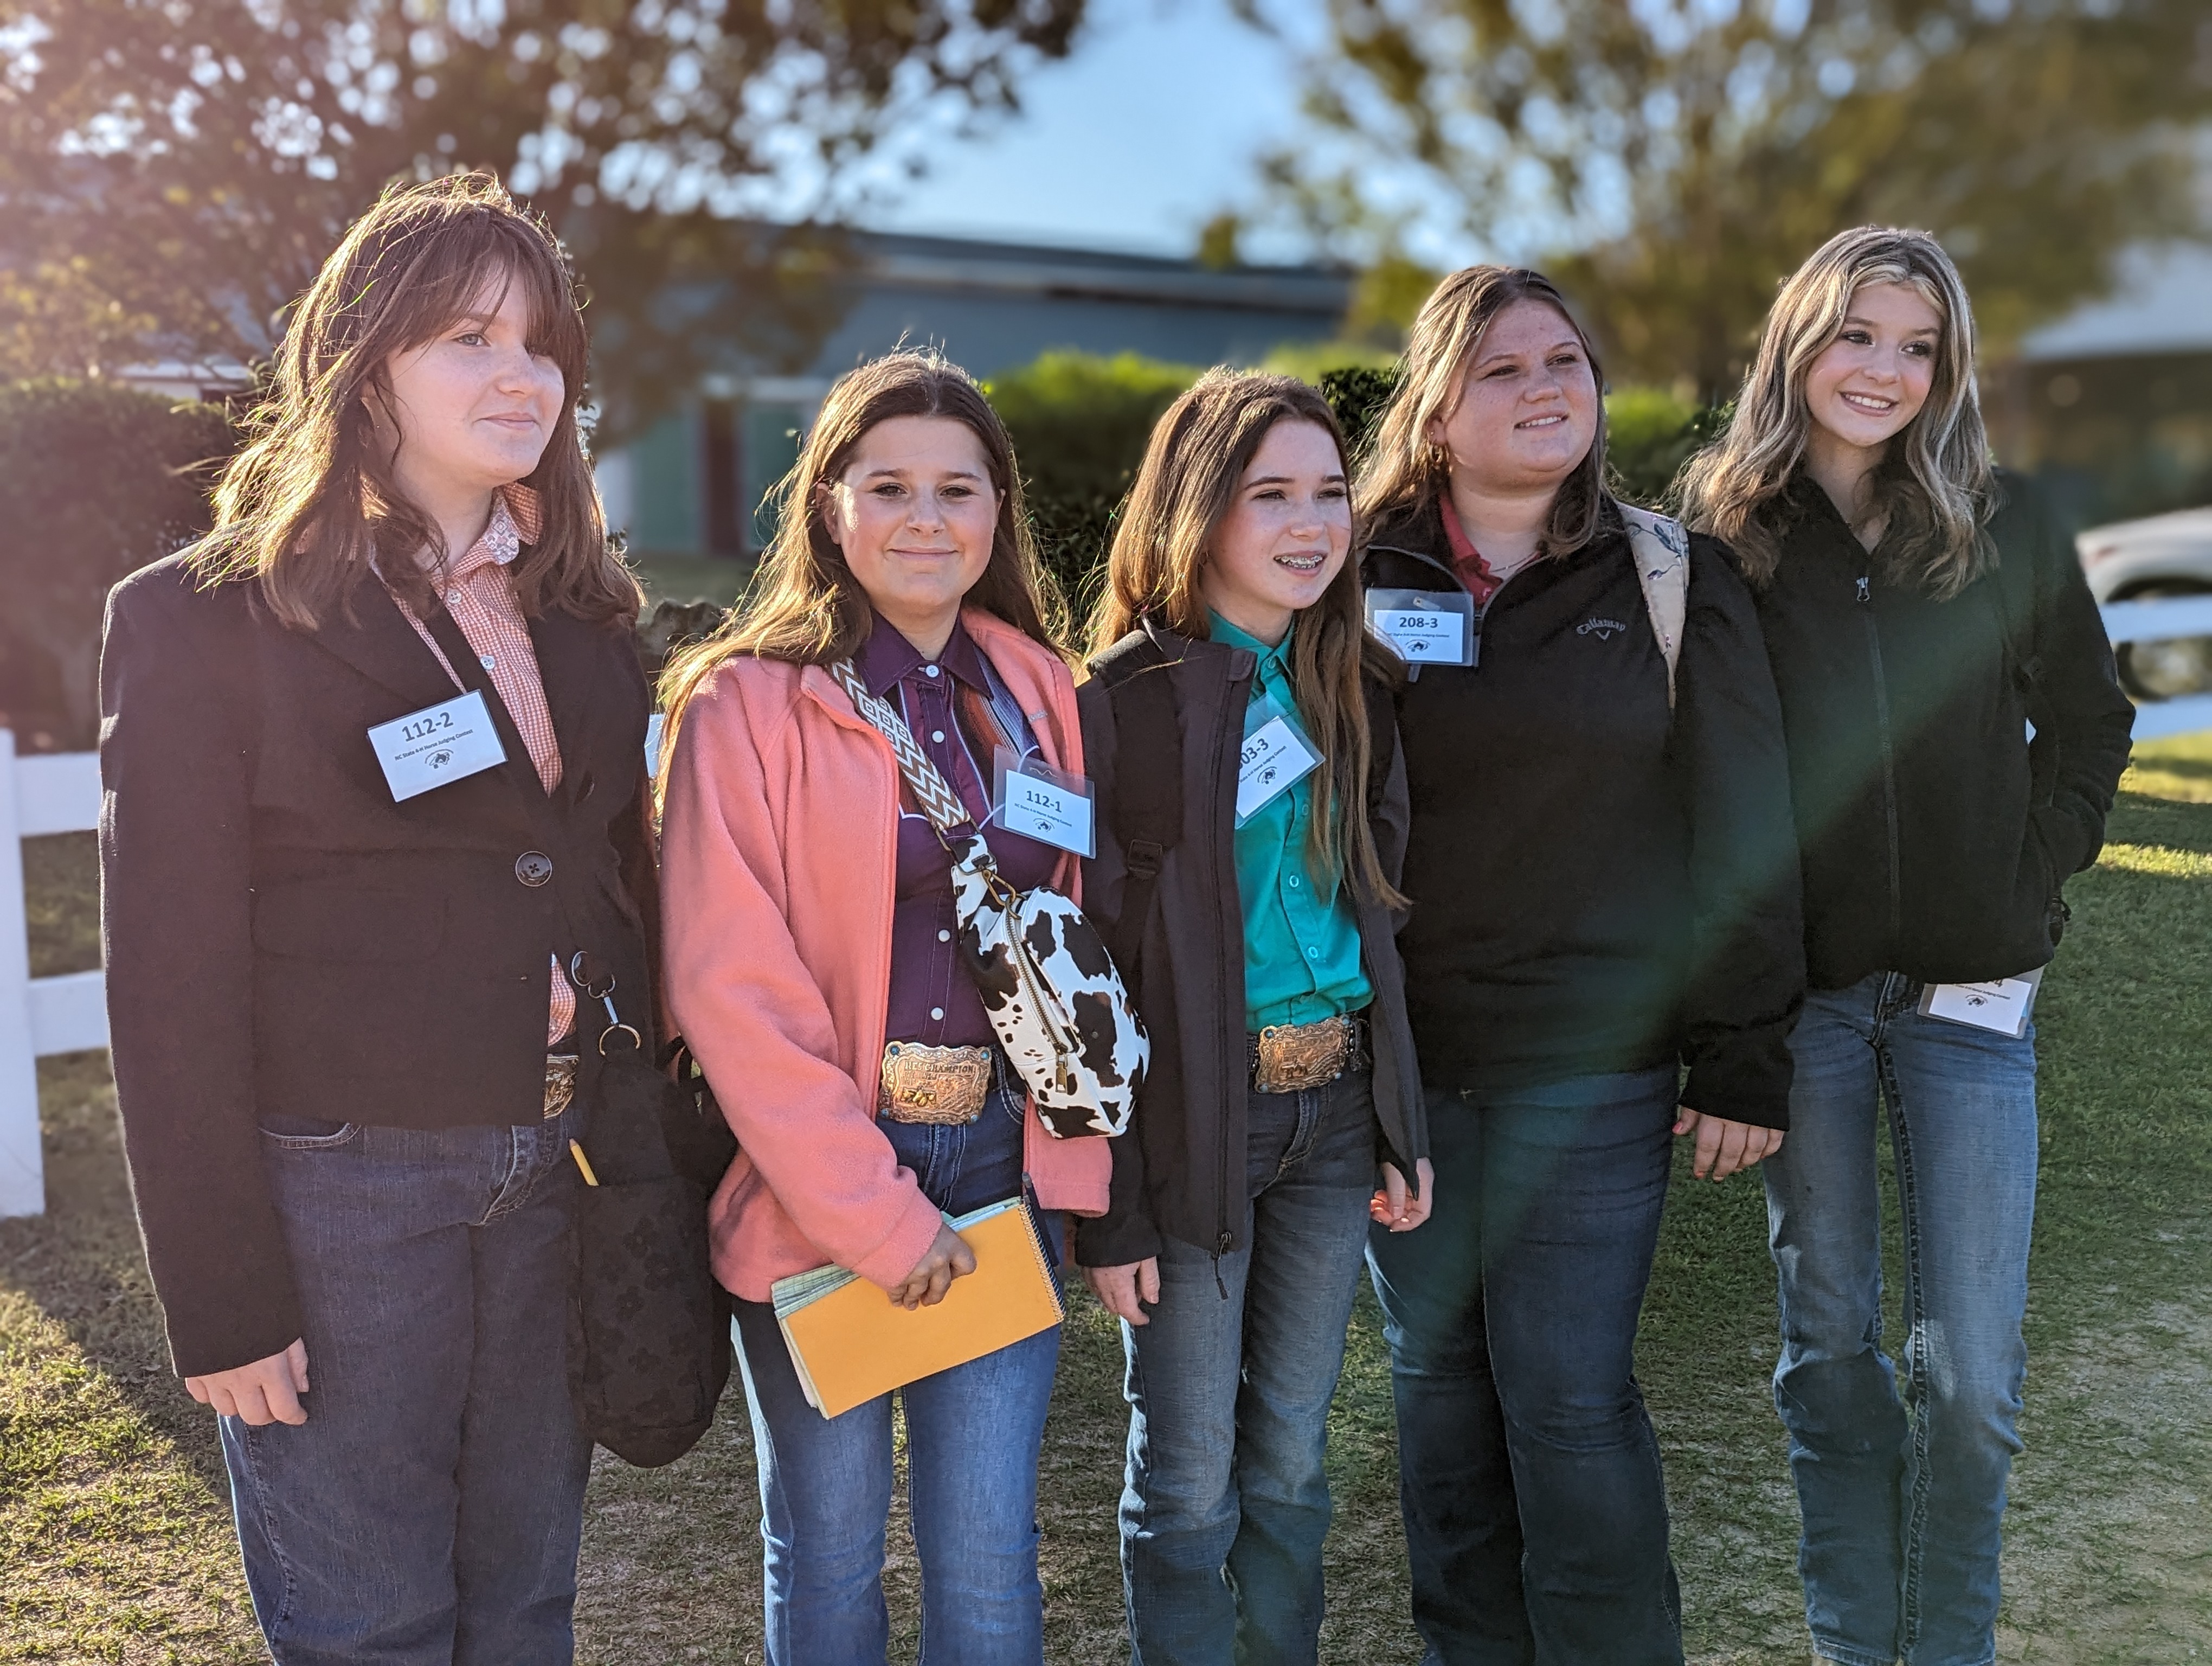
[(811, 963)]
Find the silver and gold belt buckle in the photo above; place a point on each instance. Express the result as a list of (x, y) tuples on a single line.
[(560, 1083), (943, 1085), (1292, 1058)]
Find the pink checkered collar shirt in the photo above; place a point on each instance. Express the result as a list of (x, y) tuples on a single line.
[(477, 593)]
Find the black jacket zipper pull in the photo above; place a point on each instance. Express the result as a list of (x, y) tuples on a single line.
[(1863, 581)]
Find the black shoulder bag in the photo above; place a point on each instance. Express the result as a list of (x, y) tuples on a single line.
[(649, 1327)]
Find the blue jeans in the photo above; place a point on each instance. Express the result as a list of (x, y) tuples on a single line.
[(1535, 1512), (1225, 1502), (427, 1511), (972, 1438), (1903, 1498)]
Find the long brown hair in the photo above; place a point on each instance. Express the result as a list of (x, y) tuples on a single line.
[(1405, 469), (309, 502), (805, 606), (1934, 488), (1199, 451)]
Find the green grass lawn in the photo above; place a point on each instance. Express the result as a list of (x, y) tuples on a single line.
[(114, 1530)]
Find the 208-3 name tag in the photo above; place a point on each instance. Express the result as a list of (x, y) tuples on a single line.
[(448, 741)]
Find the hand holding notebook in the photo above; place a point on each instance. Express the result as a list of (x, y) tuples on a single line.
[(850, 1342)]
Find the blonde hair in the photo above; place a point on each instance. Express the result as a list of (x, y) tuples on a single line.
[(1404, 468), (309, 502), (1193, 465), (806, 605), (1934, 488)]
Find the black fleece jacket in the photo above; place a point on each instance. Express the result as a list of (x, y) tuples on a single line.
[(1598, 883), (1934, 835)]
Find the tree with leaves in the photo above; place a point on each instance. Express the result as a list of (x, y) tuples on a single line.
[(1670, 162), (173, 171)]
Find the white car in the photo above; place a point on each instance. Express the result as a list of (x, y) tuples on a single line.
[(2168, 555)]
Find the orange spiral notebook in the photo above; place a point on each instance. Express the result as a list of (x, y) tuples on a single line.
[(850, 1342)]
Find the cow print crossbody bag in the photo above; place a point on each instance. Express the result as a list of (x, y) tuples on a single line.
[(1061, 1013)]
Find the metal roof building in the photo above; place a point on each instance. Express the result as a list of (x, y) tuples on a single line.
[(691, 485)]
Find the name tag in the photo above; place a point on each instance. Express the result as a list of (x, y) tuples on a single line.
[(1275, 759), (445, 742), (1427, 629), (2001, 1006), (1039, 802)]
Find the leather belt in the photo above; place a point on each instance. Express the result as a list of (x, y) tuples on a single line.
[(937, 1085), (1290, 1058)]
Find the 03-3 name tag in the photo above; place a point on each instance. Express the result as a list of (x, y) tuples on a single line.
[(1039, 802), (2002, 1005), (1275, 759), (445, 742), (1427, 628)]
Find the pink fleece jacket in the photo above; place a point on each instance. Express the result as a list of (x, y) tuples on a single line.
[(778, 852)]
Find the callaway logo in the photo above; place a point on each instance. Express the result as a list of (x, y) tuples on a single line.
[(1600, 628)]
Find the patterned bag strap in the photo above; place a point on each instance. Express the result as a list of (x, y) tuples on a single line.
[(938, 799), (1660, 547)]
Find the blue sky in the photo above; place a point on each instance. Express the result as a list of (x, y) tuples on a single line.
[(1149, 129)]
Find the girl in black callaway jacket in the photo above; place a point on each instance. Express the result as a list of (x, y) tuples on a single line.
[(1603, 891), (1921, 610)]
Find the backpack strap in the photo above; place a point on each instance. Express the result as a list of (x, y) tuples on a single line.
[(1148, 808), (1661, 547)]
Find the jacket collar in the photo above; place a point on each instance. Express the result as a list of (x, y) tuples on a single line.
[(368, 632)]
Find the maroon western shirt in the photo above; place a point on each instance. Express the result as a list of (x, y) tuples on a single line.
[(946, 703)]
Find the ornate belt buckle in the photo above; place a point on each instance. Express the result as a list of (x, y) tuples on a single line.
[(560, 1083), (1291, 1058), (937, 1085)]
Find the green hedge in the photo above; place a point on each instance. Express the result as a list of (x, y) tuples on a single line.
[(96, 480), (1079, 424)]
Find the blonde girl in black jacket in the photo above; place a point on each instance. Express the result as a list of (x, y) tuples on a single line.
[(1921, 610)]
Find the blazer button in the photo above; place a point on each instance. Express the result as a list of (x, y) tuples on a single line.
[(533, 867)]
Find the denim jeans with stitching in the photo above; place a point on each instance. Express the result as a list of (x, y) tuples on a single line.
[(1536, 1511), (428, 1510), (1903, 1495), (1225, 1502), (972, 1438)]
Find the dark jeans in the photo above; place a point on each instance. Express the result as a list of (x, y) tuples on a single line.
[(1536, 1513), (1225, 1502), (972, 1438), (1903, 1514), (427, 1511)]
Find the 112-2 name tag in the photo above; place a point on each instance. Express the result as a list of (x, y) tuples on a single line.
[(1275, 758), (445, 742), (1427, 628), (1039, 802)]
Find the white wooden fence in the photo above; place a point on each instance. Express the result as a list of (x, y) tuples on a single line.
[(59, 793)]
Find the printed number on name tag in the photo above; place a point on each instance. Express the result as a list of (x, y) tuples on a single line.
[(445, 742), (1427, 628), (1031, 798), (1275, 758)]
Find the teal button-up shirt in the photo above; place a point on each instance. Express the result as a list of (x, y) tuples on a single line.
[(1301, 941)]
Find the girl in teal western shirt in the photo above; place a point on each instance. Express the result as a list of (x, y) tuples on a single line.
[(1251, 814)]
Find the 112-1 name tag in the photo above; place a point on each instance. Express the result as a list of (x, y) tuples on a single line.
[(1039, 802), (1427, 628), (2002, 1005), (1275, 758), (445, 742)]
